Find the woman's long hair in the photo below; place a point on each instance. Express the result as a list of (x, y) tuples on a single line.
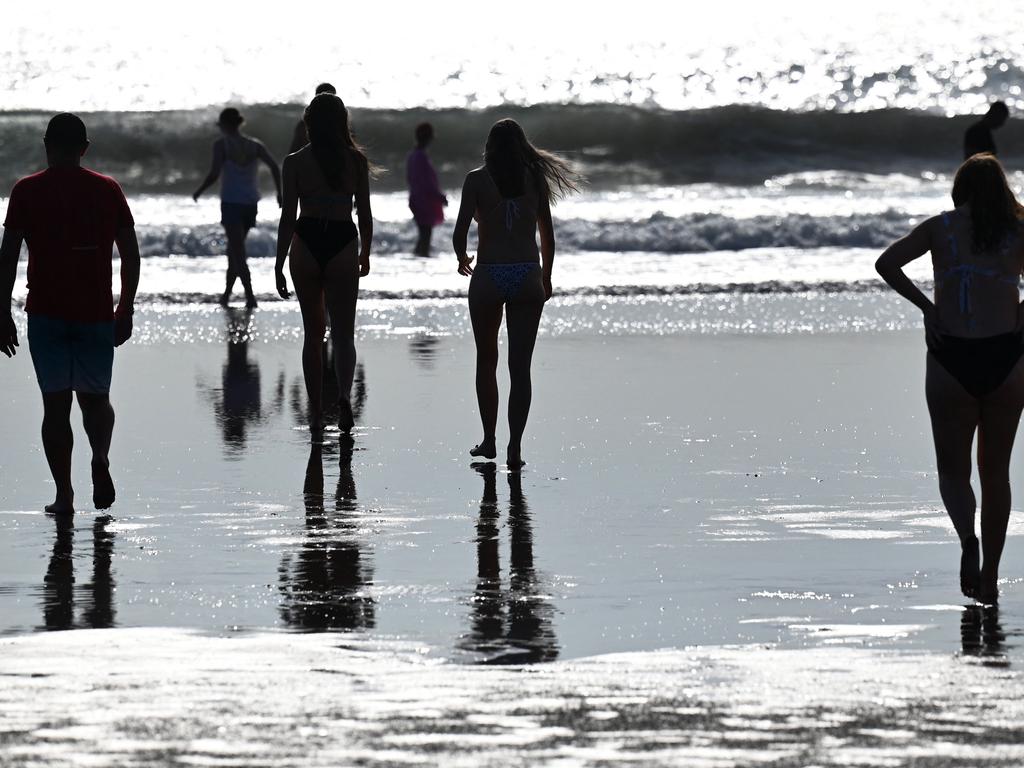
[(509, 154), (330, 137), (981, 184)]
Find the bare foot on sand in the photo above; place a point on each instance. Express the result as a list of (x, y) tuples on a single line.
[(345, 418), (970, 563), (988, 588), (485, 449), (514, 458), (102, 485), (61, 506)]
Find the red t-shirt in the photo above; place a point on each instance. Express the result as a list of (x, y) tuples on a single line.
[(70, 218)]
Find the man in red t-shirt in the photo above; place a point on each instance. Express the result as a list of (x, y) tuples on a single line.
[(70, 217)]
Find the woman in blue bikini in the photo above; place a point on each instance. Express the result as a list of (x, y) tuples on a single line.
[(325, 180), (975, 377), (510, 197)]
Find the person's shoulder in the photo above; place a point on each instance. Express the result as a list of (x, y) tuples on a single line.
[(33, 180), (101, 179)]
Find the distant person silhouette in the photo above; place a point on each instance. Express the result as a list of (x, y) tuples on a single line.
[(978, 138), (975, 377), (236, 162), (70, 217), (328, 256), (299, 137), (426, 200), (510, 197)]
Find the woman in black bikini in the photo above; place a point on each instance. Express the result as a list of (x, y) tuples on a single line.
[(327, 255), (975, 380), (510, 197)]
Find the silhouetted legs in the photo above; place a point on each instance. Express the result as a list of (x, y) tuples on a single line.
[(422, 247), (523, 312), (955, 416), (485, 312), (522, 319), (342, 290), (339, 286), (57, 444), (1000, 416), (98, 420), (238, 266), (58, 441)]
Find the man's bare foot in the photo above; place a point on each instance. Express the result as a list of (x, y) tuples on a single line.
[(345, 418), (251, 303), (224, 299), (485, 449), (970, 563), (514, 458), (61, 506), (102, 485)]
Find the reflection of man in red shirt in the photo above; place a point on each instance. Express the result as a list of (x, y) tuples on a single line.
[(70, 218)]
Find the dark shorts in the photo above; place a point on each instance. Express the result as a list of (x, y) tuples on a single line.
[(235, 214), (71, 355)]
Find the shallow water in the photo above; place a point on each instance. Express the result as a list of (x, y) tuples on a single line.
[(744, 488)]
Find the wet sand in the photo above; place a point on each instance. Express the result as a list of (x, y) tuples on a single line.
[(764, 504)]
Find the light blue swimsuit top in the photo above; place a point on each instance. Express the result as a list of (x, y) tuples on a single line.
[(966, 272), (239, 182)]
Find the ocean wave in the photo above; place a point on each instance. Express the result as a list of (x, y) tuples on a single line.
[(615, 145), (698, 233)]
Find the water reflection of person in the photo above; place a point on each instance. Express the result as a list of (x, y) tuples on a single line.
[(324, 585), (981, 632), (513, 625), (238, 404), (58, 593), (424, 349)]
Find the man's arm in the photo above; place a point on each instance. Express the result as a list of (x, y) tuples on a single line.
[(131, 263), (275, 170), (215, 165), (10, 252)]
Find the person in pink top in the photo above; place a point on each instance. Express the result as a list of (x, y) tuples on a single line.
[(426, 200)]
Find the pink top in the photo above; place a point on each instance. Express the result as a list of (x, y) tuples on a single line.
[(426, 200)]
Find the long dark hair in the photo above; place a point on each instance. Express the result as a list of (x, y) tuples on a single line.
[(330, 137), (981, 184), (509, 154)]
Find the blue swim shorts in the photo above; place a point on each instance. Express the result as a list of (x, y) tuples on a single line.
[(71, 355), (233, 214)]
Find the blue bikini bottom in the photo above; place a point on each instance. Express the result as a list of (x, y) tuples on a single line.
[(508, 278)]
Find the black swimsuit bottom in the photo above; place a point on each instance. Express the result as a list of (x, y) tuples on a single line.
[(980, 365), (325, 237)]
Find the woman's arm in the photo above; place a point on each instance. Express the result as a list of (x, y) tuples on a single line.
[(460, 236), (215, 166), (547, 239), (286, 227), (364, 215), (890, 267)]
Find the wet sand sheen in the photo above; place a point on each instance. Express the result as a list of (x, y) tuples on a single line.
[(682, 491)]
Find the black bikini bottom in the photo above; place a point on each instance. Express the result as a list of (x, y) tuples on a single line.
[(980, 365), (325, 237)]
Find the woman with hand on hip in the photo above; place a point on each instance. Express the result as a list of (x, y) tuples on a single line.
[(975, 378), (510, 197), (328, 256)]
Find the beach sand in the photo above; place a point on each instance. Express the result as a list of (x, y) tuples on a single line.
[(720, 511)]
